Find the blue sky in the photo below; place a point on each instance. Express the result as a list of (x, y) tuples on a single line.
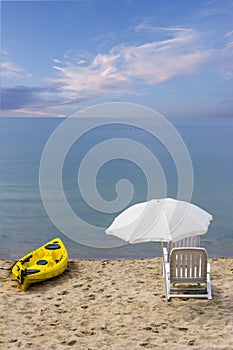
[(61, 56)]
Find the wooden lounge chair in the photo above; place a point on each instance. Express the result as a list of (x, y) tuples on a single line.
[(187, 273)]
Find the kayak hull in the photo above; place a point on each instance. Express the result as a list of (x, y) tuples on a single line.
[(46, 262)]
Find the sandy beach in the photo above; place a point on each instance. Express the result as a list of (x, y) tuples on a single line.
[(114, 305)]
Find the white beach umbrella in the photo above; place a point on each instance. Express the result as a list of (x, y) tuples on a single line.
[(160, 220)]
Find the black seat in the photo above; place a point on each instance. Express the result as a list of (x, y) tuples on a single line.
[(31, 271), (53, 246), (42, 262)]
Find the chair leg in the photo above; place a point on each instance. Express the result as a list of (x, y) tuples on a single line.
[(167, 284), (164, 260), (208, 284)]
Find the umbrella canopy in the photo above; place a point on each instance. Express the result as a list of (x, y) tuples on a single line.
[(160, 220)]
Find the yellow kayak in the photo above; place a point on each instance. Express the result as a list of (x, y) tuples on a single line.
[(46, 262)]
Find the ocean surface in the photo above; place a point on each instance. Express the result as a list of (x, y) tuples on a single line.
[(25, 224)]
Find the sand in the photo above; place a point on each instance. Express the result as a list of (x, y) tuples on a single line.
[(114, 305)]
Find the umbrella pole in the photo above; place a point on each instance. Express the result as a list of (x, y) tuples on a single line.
[(162, 267)]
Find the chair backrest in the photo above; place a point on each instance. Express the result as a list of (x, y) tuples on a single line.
[(188, 242), (188, 265)]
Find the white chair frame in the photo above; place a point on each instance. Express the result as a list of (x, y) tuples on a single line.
[(186, 242), (187, 270)]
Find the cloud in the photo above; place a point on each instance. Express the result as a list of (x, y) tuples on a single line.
[(145, 26), (18, 97), (208, 12), (225, 62), (125, 67), (229, 34), (229, 37), (9, 69), (230, 44), (38, 101), (23, 96)]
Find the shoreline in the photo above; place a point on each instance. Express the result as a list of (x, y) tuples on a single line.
[(111, 256), (114, 305)]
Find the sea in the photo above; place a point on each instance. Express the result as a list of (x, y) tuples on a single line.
[(26, 222)]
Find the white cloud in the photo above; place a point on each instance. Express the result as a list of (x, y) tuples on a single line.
[(125, 67), (230, 44), (225, 65), (208, 12), (55, 60), (122, 69), (9, 69), (228, 34), (144, 26)]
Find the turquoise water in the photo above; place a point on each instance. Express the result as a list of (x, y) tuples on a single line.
[(25, 224)]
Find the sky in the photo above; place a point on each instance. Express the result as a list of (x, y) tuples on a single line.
[(58, 57)]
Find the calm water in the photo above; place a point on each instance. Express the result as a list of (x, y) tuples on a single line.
[(25, 224)]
